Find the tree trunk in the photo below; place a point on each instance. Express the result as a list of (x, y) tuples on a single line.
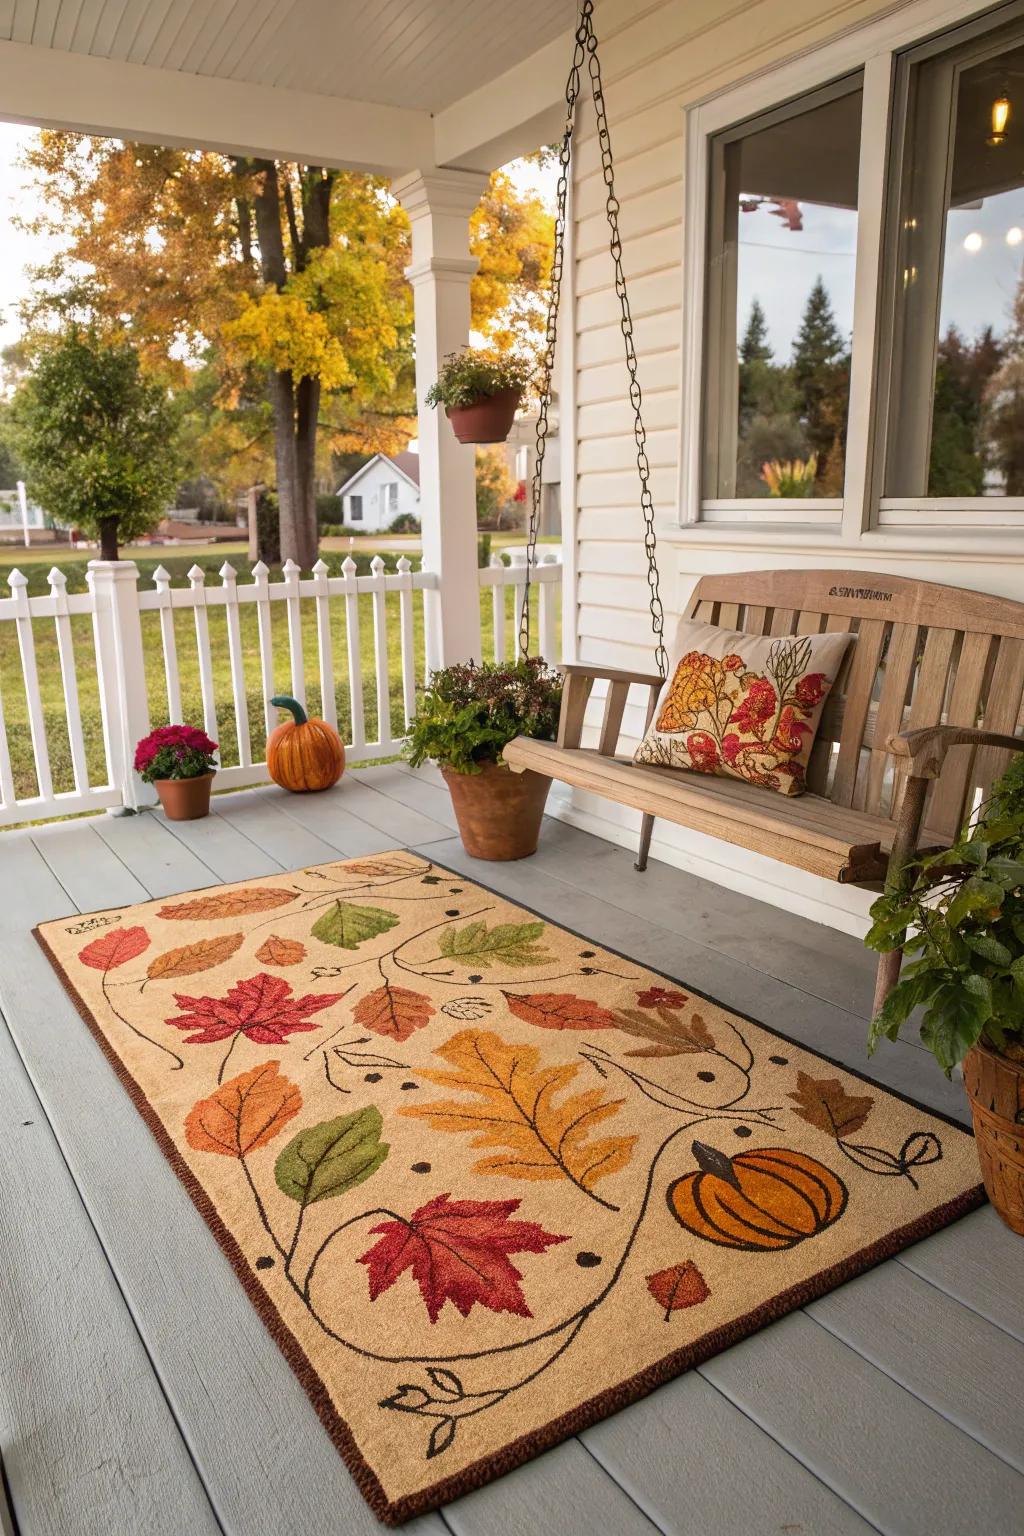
[(282, 400), (308, 401), (108, 538), (295, 403)]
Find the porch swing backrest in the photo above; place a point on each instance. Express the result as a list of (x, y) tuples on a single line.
[(925, 654)]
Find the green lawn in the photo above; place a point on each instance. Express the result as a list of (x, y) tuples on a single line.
[(178, 563)]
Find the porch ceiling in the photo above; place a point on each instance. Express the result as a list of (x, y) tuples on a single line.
[(355, 83)]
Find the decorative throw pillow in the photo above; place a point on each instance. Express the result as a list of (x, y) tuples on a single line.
[(743, 706)]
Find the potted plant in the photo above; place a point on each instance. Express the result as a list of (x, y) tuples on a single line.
[(179, 760), (964, 908), (468, 715), (480, 392)]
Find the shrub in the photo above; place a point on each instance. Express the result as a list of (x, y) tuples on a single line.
[(470, 712), (405, 522)]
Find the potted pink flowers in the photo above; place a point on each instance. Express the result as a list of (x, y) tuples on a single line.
[(179, 760)]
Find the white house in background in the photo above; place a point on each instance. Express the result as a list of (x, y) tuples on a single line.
[(382, 490)]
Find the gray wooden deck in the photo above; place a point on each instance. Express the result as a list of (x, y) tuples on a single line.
[(140, 1394)]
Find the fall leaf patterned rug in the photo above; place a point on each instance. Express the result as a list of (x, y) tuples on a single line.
[(484, 1181)]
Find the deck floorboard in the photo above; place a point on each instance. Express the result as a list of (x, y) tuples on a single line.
[(892, 1405)]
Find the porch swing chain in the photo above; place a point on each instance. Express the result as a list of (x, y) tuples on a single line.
[(586, 51)]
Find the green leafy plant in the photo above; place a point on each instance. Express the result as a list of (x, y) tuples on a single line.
[(471, 712), (963, 909), (470, 375)]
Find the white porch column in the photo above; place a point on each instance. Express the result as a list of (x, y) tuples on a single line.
[(439, 204)]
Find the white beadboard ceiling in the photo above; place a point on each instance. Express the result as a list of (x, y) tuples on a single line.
[(420, 54)]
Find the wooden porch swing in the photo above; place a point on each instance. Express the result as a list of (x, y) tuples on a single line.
[(922, 715)]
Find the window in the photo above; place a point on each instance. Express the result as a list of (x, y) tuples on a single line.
[(391, 498), (853, 348), (355, 509), (779, 310), (955, 420)]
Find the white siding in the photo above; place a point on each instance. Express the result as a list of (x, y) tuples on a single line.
[(658, 59)]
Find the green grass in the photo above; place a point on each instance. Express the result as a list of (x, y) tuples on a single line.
[(178, 563)]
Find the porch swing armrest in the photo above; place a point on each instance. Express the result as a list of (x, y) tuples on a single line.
[(926, 749), (610, 674), (579, 681)]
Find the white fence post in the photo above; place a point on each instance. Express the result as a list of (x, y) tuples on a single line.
[(498, 608), (121, 672)]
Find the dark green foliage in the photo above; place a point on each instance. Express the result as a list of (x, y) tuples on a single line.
[(962, 373), (96, 437), (469, 375), (754, 348), (405, 522), (483, 550), (268, 526), (821, 372), (469, 713), (964, 909), (328, 509)]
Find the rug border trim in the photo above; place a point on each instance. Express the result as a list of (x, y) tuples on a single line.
[(594, 1409)]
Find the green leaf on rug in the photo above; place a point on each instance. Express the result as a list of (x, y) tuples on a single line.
[(328, 1159), (347, 926), (506, 944)]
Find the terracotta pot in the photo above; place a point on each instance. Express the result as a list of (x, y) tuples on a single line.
[(499, 812), (185, 799), (995, 1087), (488, 420)]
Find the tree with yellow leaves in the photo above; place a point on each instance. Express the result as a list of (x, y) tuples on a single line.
[(272, 294)]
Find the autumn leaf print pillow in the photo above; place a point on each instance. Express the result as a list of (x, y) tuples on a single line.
[(743, 707)]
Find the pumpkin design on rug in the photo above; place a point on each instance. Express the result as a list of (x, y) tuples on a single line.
[(485, 1181)]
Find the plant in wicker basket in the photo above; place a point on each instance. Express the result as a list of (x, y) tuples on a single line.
[(964, 909)]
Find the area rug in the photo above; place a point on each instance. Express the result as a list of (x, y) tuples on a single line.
[(486, 1182)]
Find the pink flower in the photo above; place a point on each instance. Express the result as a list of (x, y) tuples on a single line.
[(179, 738)]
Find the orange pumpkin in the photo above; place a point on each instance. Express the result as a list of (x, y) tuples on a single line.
[(304, 754), (764, 1199)]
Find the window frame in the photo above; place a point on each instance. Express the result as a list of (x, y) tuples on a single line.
[(354, 498), (878, 50)]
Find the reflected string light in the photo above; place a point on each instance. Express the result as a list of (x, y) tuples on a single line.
[(973, 242), (1014, 235)]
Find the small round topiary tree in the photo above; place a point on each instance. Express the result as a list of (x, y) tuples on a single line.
[(97, 439)]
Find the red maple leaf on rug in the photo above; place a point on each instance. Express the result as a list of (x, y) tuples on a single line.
[(262, 1008), (458, 1251)]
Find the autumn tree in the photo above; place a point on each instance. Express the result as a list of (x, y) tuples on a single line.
[(96, 437), (273, 294)]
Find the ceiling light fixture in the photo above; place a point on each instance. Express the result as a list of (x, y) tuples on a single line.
[(1000, 118)]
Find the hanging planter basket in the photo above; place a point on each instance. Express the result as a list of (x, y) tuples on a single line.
[(487, 420)]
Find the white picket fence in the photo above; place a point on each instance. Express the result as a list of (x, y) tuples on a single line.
[(104, 637)]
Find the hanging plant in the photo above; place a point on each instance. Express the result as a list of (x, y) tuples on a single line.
[(480, 392)]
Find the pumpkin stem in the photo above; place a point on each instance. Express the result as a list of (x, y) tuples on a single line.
[(709, 1160), (284, 701)]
